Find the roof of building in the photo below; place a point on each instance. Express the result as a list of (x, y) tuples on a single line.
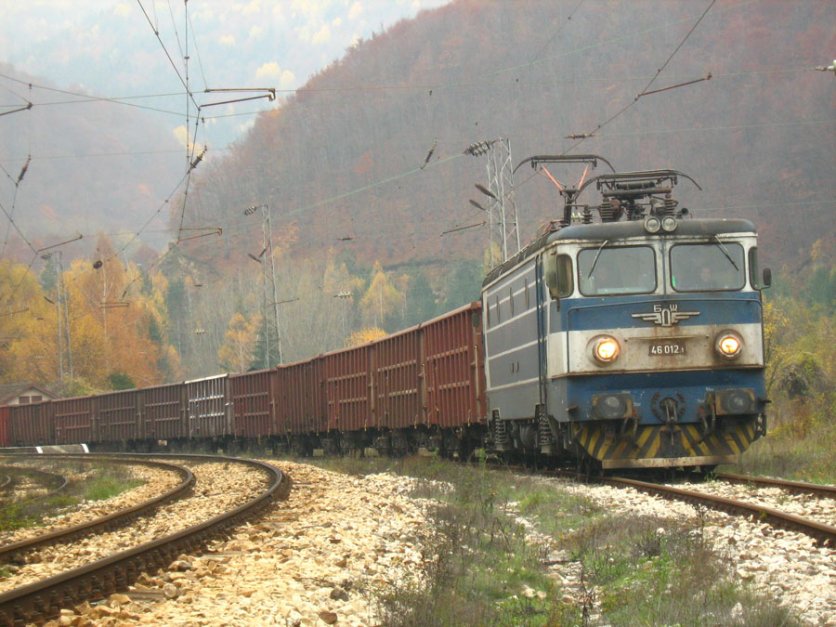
[(9, 391)]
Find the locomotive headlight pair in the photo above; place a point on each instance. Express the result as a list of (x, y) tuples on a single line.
[(605, 349), (729, 344), (653, 224)]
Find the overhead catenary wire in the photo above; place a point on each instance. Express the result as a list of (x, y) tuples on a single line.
[(167, 54), (314, 90), (643, 91), (10, 214)]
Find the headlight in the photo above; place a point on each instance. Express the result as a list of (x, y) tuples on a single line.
[(605, 349), (729, 344), (652, 224), (669, 224)]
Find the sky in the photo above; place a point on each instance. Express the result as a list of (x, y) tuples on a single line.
[(135, 49)]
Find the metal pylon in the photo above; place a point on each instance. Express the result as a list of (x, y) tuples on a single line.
[(502, 214)]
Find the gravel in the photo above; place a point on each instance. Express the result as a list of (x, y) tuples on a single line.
[(324, 555)]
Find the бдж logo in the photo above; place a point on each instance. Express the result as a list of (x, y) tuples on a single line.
[(666, 316)]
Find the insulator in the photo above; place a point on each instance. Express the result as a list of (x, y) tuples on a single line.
[(587, 215), (670, 206), (608, 212)]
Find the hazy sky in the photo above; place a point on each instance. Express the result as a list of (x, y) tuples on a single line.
[(108, 48)]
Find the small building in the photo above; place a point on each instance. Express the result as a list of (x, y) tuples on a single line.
[(23, 394)]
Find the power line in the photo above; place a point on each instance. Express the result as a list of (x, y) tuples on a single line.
[(90, 155), (618, 113), (165, 50)]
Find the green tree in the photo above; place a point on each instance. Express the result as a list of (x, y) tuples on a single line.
[(464, 284), (420, 301), (120, 381)]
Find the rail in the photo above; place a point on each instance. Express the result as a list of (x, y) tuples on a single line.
[(111, 521), (793, 486), (824, 534), (42, 600)]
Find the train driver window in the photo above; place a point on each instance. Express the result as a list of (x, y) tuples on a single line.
[(707, 267), (557, 270), (603, 270)]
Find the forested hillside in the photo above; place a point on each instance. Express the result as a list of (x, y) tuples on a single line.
[(363, 176), (340, 163)]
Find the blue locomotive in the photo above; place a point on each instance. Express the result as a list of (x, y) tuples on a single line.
[(628, 335)]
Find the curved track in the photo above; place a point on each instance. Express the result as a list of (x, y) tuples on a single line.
[(42, 600), (110, 521), (52, 482)]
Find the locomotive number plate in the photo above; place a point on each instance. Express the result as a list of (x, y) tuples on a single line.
[(665, 348)]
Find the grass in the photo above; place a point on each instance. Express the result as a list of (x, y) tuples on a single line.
[(799, 444), (490, 571), (104, 483)]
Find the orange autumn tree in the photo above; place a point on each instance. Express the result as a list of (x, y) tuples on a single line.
[(28, 328), (116, 325), (382, 300), (364, 336), (240, 341)]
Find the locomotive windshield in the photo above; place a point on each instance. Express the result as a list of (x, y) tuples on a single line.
[(701, 267), (617, 270)]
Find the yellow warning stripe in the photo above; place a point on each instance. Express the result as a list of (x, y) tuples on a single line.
[(650, 441)]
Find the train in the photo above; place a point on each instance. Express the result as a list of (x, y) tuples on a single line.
[(627, 335)]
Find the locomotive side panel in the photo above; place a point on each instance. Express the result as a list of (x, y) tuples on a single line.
[(512, 340)]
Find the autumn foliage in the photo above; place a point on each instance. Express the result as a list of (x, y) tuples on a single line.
[(107, 324)]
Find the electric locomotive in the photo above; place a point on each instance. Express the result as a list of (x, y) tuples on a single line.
[(628, 335)]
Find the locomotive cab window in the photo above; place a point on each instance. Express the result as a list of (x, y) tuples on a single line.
[(558, 275), (708, 267), (617, 270)]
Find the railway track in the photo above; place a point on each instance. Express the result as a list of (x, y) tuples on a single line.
[(823, 533), (12, 551), (52, 482), (40, 600), (790, 486)]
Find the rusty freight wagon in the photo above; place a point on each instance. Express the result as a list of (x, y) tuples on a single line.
[(31, 425), (4, 426), (301, 405), (253, 397)]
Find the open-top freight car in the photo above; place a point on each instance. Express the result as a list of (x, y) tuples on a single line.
[(423, 386)]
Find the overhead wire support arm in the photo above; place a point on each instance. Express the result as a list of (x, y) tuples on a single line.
[(69, 241), (463, 228), (707, 77), (18, 110), (270, 95)]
